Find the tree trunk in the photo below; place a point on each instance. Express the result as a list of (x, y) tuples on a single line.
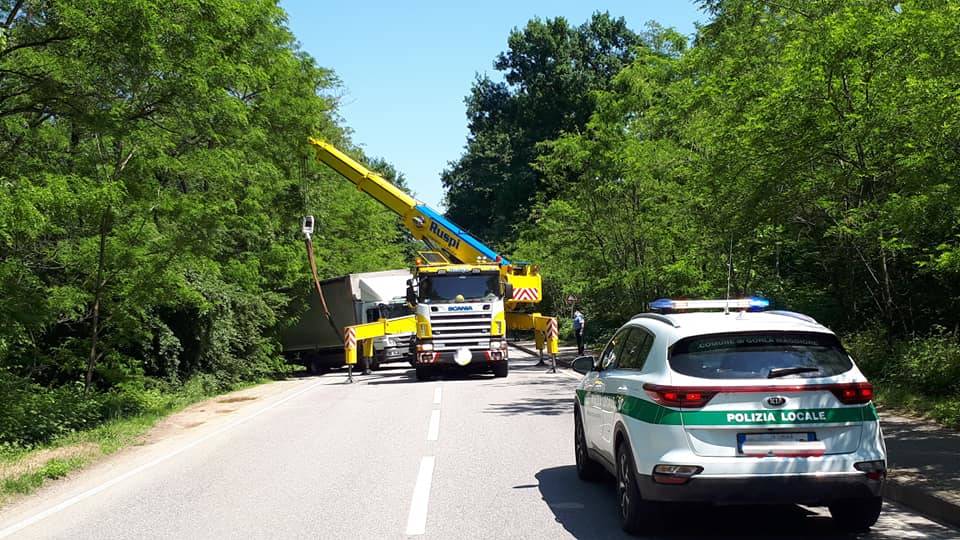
[(97, 298)]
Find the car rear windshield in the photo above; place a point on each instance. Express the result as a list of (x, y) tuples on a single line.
[(760, 355)]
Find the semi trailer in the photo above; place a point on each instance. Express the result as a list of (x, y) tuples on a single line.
[(352, 299)]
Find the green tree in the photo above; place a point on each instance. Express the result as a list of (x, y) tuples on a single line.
[(153, 170), (552, 71)]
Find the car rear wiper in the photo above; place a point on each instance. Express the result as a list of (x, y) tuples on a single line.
[(780, 372)]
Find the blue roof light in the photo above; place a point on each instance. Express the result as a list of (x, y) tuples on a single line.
[(753, 303)]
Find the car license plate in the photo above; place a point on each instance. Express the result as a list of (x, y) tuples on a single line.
[(805, 436)]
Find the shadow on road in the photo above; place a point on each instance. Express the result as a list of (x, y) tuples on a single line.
[(927, 451), (546, 406), (589, 510), (409, 376)]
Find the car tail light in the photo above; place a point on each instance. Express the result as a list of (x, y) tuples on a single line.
[(675, 474), (876, 470), (672, 396), (854, 393)]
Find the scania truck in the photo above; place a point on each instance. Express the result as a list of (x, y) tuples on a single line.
[(465, 295)]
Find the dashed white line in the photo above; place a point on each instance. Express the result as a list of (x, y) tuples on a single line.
[(9, 531), (433, 432), (437, 395), (417, 520)]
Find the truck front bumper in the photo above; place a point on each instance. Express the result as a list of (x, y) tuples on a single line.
[(478, 359)]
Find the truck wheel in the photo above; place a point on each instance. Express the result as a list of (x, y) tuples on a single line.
[(424, 374), (374, 364), (501, 369)]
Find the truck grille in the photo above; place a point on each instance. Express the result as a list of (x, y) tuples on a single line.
[(455, 330)]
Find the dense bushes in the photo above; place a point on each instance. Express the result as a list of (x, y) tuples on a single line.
[(33, 414), (928, 364)]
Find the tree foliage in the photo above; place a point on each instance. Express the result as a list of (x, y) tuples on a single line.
[(153, 170), (814, 144), (551, 73), (806, 151)]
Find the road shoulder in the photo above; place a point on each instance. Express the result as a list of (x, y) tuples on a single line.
[(173, 431)]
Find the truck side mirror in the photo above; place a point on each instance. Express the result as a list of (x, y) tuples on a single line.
[(411, 295), (508, 291)]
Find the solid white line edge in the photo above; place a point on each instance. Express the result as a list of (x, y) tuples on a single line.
[(4, 533), (417, 519)]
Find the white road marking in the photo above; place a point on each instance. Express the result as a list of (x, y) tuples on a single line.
[(437, 394), (433, 432), (417, 520), (9, 531)]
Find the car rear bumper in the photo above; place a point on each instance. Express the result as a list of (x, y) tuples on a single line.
[(808, 489)]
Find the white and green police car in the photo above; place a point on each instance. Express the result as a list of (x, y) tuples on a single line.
[(729, 407)]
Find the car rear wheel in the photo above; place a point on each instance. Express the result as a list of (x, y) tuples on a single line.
[(587, 469), (424, 374), (856, 515), (501, 369), (636, 515)]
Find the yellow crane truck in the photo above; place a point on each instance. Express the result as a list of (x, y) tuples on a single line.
[(465, 296)]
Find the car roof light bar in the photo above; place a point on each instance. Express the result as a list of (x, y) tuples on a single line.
[(753, 303)]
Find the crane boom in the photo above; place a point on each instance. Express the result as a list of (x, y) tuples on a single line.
[(423, 222), (469, 326)]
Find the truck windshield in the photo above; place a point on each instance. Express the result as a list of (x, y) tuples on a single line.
[(460, 288), (760, 355)]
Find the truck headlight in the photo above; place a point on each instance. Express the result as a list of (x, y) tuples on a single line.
[(389, 342), (496, 345), (425, 346)]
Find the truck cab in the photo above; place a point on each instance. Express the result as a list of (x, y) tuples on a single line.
[(460, 318), (394, 347)]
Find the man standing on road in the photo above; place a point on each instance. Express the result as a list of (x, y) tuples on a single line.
[(579, 323)]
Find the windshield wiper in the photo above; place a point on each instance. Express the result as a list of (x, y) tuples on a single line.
[(780, 372)]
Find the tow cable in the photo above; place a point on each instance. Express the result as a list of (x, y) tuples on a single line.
[(307, 229)]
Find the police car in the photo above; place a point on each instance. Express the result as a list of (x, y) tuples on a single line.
[(735, 406)]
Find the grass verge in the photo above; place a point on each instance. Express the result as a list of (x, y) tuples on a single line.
[(943, 410), (23, 471)]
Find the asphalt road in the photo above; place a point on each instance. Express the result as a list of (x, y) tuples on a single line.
[(387, 457)]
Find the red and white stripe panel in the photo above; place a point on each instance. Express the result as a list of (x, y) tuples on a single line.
[(350, 338), (526, 294), (552, 329)]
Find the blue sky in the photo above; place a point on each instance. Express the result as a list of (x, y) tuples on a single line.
[(406, 66)]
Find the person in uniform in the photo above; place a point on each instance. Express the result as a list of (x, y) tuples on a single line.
[(579, 324)]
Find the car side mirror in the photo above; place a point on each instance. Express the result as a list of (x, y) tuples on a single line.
[(584, 364)]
